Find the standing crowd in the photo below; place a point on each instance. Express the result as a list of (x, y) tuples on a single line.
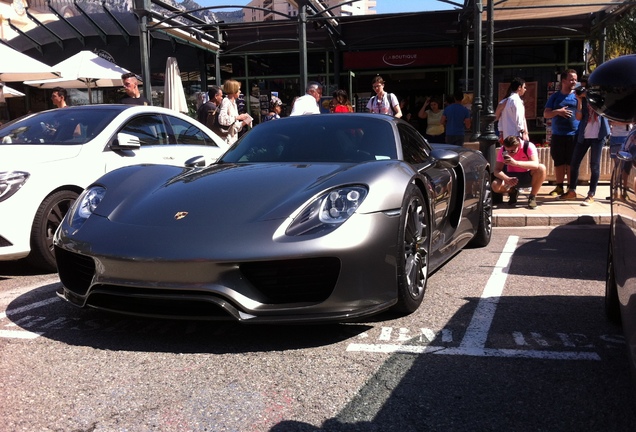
[(576, 128)]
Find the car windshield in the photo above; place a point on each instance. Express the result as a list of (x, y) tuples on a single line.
[(318, 138), (65, 126)]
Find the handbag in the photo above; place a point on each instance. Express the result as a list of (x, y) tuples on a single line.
[(212, 122)]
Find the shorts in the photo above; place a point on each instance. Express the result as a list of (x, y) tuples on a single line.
[(562, 148), (525, 178)]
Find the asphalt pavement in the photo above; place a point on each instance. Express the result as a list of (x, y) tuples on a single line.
[(551, 211)]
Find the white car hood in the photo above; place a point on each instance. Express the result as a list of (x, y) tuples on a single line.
[(19, 157)]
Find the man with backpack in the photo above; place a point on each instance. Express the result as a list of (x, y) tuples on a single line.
[(383, 102), (518, 166)]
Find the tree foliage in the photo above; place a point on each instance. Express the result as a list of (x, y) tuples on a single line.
[(620, 38)]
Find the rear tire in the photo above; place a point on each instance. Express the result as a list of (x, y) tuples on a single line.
[(414, 241), (48, 217), (484, 227), (612, 304)]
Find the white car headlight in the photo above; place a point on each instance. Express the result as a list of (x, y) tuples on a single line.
[(11, 182), (85, 205), (328, 211)]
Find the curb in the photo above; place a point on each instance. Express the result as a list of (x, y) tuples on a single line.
[(525, 220)]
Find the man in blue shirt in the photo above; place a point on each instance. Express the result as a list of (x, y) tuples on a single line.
[(456, 119), (561, 108)]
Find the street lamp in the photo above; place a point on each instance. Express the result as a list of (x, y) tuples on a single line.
[(142, 9), (477, 104), (488, 139)]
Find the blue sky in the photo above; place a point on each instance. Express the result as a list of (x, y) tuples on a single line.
[(382, 6)]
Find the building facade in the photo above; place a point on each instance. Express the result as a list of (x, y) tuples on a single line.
[(270, 10)]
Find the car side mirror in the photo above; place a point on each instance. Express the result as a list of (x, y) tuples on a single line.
[(126, 141), (625, 156), (445, 158), (196, 161)]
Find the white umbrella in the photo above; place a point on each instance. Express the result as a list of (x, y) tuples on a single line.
[(173, 94), (19, 67), (8, 92), (84, 70)]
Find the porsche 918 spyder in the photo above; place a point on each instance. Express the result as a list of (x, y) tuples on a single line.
[(305, 219)]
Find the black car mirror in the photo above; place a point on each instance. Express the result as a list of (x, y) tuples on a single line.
[(445, 158), (196, 161), (625, 156), (612, 89)]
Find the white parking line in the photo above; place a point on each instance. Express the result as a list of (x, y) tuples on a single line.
[(473, 352), (23, 334), (477, 331), (28, 307), (476, 335), (18, 334)]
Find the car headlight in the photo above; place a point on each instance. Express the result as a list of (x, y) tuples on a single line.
[(328, 211), (11, 182), (85, 205)]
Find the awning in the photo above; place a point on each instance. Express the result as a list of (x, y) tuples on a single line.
[(510, 10)]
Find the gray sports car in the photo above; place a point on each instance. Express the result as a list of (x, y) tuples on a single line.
[(305, 219)]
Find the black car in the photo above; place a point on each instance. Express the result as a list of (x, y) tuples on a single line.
[(612, 93)]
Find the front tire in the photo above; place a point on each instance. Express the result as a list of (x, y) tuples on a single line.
[(484, 226), (414, 241), (48, 217)]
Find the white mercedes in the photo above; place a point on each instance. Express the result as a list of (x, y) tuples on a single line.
[(48, 158)]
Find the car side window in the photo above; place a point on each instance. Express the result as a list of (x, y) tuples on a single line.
[(414, 148), (150, 130), (188, 133)]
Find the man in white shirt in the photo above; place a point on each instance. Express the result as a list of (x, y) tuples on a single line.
[(513, 117), (308, 103)]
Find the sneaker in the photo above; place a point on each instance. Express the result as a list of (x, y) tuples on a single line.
[(512, 196), (569, 195), (557, 191), (532, 202), (587, 201)]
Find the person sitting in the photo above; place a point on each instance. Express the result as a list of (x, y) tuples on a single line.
[(518, 166)]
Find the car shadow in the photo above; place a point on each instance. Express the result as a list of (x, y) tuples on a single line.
[(56, 319), (19, 268)]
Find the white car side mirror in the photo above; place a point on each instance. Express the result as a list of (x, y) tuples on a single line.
[(126, 141)]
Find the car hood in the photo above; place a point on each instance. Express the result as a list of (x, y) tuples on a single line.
[(17, 157), (224, 195)]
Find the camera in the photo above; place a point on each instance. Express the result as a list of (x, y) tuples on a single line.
[(579, 90)]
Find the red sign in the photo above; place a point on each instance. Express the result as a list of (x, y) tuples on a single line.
[(401, 58)]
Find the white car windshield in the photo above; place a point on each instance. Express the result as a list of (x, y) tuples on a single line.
[(66, 126)]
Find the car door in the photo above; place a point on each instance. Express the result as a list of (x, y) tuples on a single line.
[(162, 140), (624, 230), (416, 152), (189, 140), (154, 147)]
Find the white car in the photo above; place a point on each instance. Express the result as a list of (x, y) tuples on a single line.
[(48, 158)]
